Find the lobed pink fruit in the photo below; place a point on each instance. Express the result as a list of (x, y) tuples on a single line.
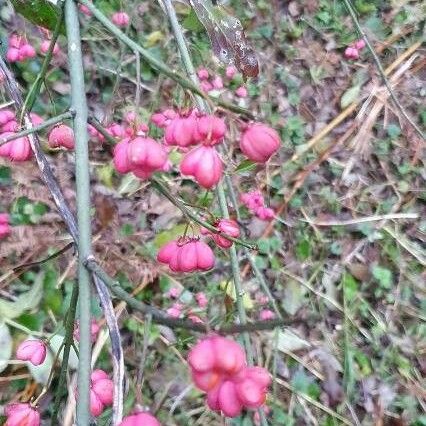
[(61, 136), (140, 419), (32, 350), (44, 47), (241, 92), (21, 414), (182, 131), (259, 142), (20, 149), (121, 19), (203, 74), (211, 129), (204, 164)]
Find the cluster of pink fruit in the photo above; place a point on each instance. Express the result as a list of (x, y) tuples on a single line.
[(255, 202), (210, 83), (4, 225), (18, 149), (219, 367), (19, 49), (101, 392), (143, 155), (187, 254), (354, 49), (228, 227)]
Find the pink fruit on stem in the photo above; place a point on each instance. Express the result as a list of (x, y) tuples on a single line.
[(205, 256), (266, 314), (211, 129), (10, 126), (21, 414), (5, 148), (121, 19), (230, 71), (61, 136), (182, 131), (264, 213), (16, 41), (120, 157), (217, 82), (12, 54), (201, 299), (44, 47), (167, 251), (359, 44), (206, 86), (351, 53), (241, 92), (6, 115), (228, 400), (204, 164), (84, 10), (96, 406), (35, 119), (94, 330), (146, 153), (203, 74), (229, 227), (32, 350), (28, 51), (259, 142), (98, 374), (20, 149), (140, 419)]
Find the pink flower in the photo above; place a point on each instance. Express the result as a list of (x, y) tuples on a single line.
[(218, 366), (61, 136), (211, 129), (203, 74), (44, 47), (32, 350), (204, 164), (201, 299), (259, 142), (241, 92), (182, 131), (140, 419), (121, 19), (266, 314), (230, 71), (187, 255), (217, 82), (21, 414), (94, 330)]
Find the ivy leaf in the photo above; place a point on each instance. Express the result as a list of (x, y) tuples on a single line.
[(40, 12)]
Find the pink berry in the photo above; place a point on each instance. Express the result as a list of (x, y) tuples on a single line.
[(61, 136), (121, 160), (12, 54), (182, 131), (203, 74), (94, 330), (121, 19), (351, 53), (359, 44), (266, 314), (229, 227), (201, 299), (206, 86), (217, 82), (27, 51), (230, 71), (211, 129), (259, 142), (20, 149), (146, 154), (33, 351), (6, 115), (204, 164), (84, 9), (140, 419), (241, 92), (21, 414)]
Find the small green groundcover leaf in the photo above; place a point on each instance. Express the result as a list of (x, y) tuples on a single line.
[(40, 12)]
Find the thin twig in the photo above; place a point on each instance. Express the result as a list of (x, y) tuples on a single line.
[(78, 100), (391, 216), (52, 121), (380, 68)]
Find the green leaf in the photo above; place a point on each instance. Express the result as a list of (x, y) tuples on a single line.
[(383, 276), (303, 249), (40, 12), (245, 166), (349, 96), (192, 23), (168, 235), (25, 302), (5, 346), (350, 287)]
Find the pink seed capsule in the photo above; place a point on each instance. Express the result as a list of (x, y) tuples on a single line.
[(259, 142), (203, 74), (33, 351), (61, 136), (20, 149), (121, 19), (241, 92), (140, 419), (21, 414)]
